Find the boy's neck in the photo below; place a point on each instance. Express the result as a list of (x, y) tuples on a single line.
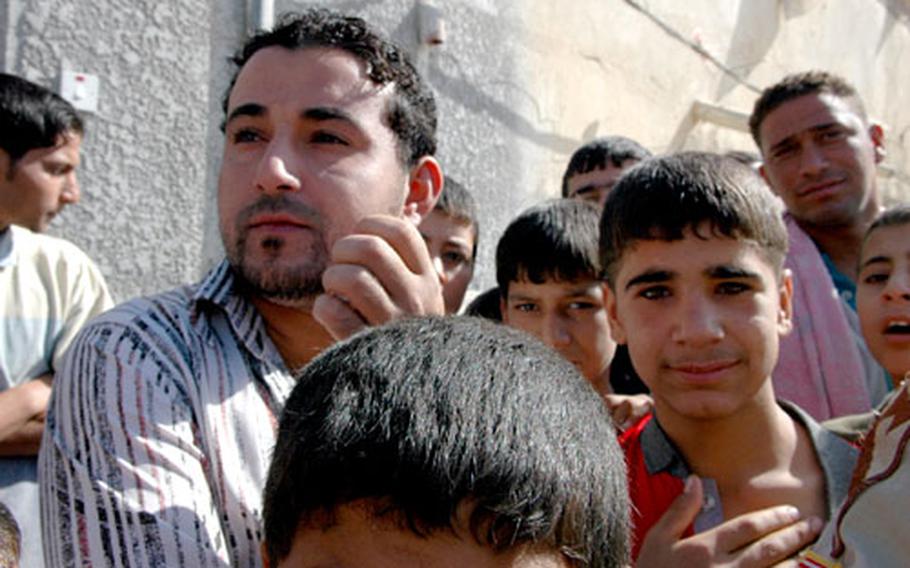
[(725, 448)]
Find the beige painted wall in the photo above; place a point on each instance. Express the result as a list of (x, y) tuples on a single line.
[(604, 67)]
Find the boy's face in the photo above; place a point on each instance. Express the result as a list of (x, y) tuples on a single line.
[(571, 317), (594, 186), (883, 297), (702, 319), (359, 540), (451, 246)]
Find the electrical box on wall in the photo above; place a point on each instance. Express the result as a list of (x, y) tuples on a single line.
[(81, 90)]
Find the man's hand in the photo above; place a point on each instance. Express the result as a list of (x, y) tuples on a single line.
[(627, 409), (760, 538), (22, 412), (380, 272)]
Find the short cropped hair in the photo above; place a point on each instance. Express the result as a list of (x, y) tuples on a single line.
[(556, 240), (10, 538), (708, 194), (33, 117), (458, 203), (798, 85), (412, 112), (424, 416), (892, 217), (600, 153)]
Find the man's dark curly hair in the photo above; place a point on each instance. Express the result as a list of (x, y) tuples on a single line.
[(412, 112)]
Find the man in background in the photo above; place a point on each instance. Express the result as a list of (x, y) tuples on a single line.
[(48, 287)]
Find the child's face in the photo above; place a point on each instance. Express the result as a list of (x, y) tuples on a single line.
[(702, 319), (451, 246), (883, 297), (571, 317), (359, 540)]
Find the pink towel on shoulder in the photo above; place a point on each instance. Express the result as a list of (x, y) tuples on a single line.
[(819, 367)]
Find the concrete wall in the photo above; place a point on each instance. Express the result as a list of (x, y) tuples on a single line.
[(520, 84)]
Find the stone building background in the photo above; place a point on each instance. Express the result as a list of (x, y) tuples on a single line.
[(519, 83)]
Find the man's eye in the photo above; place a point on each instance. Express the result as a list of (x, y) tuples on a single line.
[(322, 137), (244, 135), (832, 135), (654, 292), (784, 152), (732, 288)]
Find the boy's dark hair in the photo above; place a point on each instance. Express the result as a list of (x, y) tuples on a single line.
[(411, 115), (601, 152), (486, 305), (797, 85), (423, 417), (556, 240), (33, 117), (709, 194), (10, 538), (457, 202), (892, 217)]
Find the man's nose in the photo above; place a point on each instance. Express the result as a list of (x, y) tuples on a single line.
[(813, 160), (277, 169), (71, 192)]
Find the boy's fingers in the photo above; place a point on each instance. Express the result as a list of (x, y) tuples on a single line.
[(781, 544), (679, 515), (747, 529)]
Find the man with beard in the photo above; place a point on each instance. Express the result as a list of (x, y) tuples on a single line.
[(162, 423)]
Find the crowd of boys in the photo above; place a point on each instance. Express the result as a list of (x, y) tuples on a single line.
[(667, 338)]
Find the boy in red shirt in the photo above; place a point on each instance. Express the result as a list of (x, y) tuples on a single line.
[(693, 247)]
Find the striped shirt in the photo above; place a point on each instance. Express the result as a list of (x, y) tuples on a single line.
[(159, 433)]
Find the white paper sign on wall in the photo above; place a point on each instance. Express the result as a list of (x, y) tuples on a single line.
[(81, 90)]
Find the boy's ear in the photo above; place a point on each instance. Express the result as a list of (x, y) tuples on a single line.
[(877, 135), (617, 330), (503, 311), (785, 308), (425, 182)]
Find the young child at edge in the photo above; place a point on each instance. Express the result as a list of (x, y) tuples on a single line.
[(872, 526)]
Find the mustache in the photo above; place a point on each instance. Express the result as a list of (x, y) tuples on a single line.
[(279, 204)]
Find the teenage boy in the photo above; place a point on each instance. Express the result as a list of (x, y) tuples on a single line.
[(595, 168), (444, 442), (872, 525), (450, 231), (693, 248), (551, 286)]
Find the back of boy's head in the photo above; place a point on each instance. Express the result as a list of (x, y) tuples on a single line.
[(458, 203), (600, 153), (708, 194), (556, 240), (32, 117), (424, 416), (10, 538)]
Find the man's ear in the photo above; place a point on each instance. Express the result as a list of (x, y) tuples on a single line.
[(785, 307), (617, 330), (425, 182), (877, 135)]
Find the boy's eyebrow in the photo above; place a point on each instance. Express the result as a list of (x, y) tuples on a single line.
[(880, 259), (729, 271), (650, 277)]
